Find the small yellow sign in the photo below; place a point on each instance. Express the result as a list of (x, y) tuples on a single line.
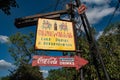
[(55, 35)]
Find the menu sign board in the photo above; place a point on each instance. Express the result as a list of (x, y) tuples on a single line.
[(55, 35)]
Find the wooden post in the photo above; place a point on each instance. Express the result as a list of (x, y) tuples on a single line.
[(92, 44), (32, 20)]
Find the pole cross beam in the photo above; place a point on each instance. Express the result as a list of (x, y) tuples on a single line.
[(32, 20)]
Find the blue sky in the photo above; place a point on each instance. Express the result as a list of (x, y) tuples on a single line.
[(98, 13)]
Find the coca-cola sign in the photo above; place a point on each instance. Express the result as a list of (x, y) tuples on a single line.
[(82, 8), (44, 60), (64, 61)]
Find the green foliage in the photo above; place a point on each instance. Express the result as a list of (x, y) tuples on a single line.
[(110, 46), (22, 50), (5, 78), (62, 74), (26, 72), (112, 26), (5, 5), (89, 71), (111, 55)]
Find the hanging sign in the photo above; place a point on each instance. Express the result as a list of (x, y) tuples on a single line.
[(82, 8), (64, 61), (55, 35)]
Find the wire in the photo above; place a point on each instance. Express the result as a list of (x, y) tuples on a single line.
[(56, 5), (46, 9), (117, 6), (119, 1)]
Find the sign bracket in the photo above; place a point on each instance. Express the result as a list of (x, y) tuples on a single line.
[(32, 20)]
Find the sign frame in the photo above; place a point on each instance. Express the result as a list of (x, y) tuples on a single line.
[(74, 37)]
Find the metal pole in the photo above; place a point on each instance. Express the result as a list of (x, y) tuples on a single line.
[(89, 39), (78, 53), (81, 69), (92, 43)]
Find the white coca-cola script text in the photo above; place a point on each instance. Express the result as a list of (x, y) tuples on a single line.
[(43, 60)]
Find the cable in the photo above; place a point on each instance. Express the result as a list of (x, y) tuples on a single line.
[(46, 8), (119, 1), (56, 5), (117, 6)]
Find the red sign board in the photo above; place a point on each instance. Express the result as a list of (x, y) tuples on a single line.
[(64, 61), (82, 9)]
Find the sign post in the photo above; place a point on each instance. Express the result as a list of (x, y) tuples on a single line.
[(92, 43), (54, 35)]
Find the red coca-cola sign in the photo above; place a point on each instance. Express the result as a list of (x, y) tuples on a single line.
[(64, 61), (50, 60)]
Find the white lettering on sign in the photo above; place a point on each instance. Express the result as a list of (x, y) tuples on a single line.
[(43, 71), (51, 60), (67, 63), (67, 59)]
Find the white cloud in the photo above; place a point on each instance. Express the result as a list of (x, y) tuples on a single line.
[(98, 9), (98, 2), (5, 65), (4, 39), (99, 34), (96, 14)]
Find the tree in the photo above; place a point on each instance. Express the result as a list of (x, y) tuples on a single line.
[(26, 72), (109, 44), (5, 5), (61, 74), (22, 50), (5, 78), (89, 72)]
